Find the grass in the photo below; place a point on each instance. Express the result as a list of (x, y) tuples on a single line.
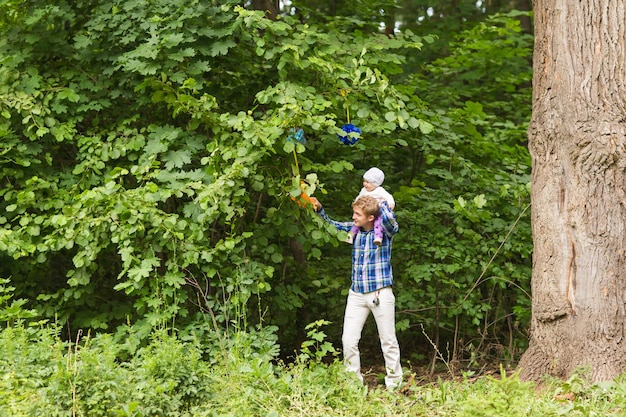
[(105, 376)]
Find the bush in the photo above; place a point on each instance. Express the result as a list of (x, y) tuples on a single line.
[(98, 376)]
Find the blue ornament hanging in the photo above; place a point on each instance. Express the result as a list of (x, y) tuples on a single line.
[(296, 135), (348, 139), (353, 133)]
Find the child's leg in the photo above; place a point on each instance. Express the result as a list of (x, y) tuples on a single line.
[(378, 231), (352, 234)]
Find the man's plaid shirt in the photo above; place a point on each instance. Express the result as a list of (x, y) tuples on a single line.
[(371, 264)]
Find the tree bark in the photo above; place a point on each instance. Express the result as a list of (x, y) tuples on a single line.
[(270, 7), (577, 139)]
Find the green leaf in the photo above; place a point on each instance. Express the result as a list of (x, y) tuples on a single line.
[(288, 146), (222, 47), (176, 159), (363, 112), (155, 146), (480, 201), (425, 127)]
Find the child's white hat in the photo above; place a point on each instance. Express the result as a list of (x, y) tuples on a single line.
[(374, 176)]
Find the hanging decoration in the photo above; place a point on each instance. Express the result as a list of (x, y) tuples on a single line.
[(296, 135), (353, 133)]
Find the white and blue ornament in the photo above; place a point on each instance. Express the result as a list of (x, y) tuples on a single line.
[(348, 139)]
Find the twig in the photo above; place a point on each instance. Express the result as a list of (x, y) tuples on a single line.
[(479, 280)]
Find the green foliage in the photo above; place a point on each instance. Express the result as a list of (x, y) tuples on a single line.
[(140, 168), (468, 243), (316, 347), (12, 311), (43, 375), (147, 177), (503, 396), (462, 257)]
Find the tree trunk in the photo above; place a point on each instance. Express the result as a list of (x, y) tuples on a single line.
[(577, 139), (270, 7)]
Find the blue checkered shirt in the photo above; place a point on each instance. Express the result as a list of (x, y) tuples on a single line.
[(371, 264)]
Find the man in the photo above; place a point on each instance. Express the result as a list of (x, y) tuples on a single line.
[(371, 289)]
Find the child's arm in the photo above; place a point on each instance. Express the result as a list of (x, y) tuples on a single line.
[(388, 219), (389, 199)]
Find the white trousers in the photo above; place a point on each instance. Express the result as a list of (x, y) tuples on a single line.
[(358, 308)]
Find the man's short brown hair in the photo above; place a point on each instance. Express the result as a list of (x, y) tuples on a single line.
[(368, 204)]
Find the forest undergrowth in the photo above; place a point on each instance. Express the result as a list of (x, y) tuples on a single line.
[(185, 375)]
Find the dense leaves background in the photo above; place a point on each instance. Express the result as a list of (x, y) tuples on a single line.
[(148, 180)]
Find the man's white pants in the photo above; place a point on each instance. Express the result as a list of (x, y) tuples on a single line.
[(358, 308)]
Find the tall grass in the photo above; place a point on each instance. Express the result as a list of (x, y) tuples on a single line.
[(105, 375)]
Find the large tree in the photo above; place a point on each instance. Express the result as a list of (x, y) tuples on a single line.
[(577, 138)]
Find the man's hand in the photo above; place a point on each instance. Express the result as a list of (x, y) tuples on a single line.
[(316, 204)]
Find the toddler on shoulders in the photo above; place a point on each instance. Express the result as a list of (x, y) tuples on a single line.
[(372, 186)]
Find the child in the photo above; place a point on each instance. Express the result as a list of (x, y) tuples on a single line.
[(372, 186)]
